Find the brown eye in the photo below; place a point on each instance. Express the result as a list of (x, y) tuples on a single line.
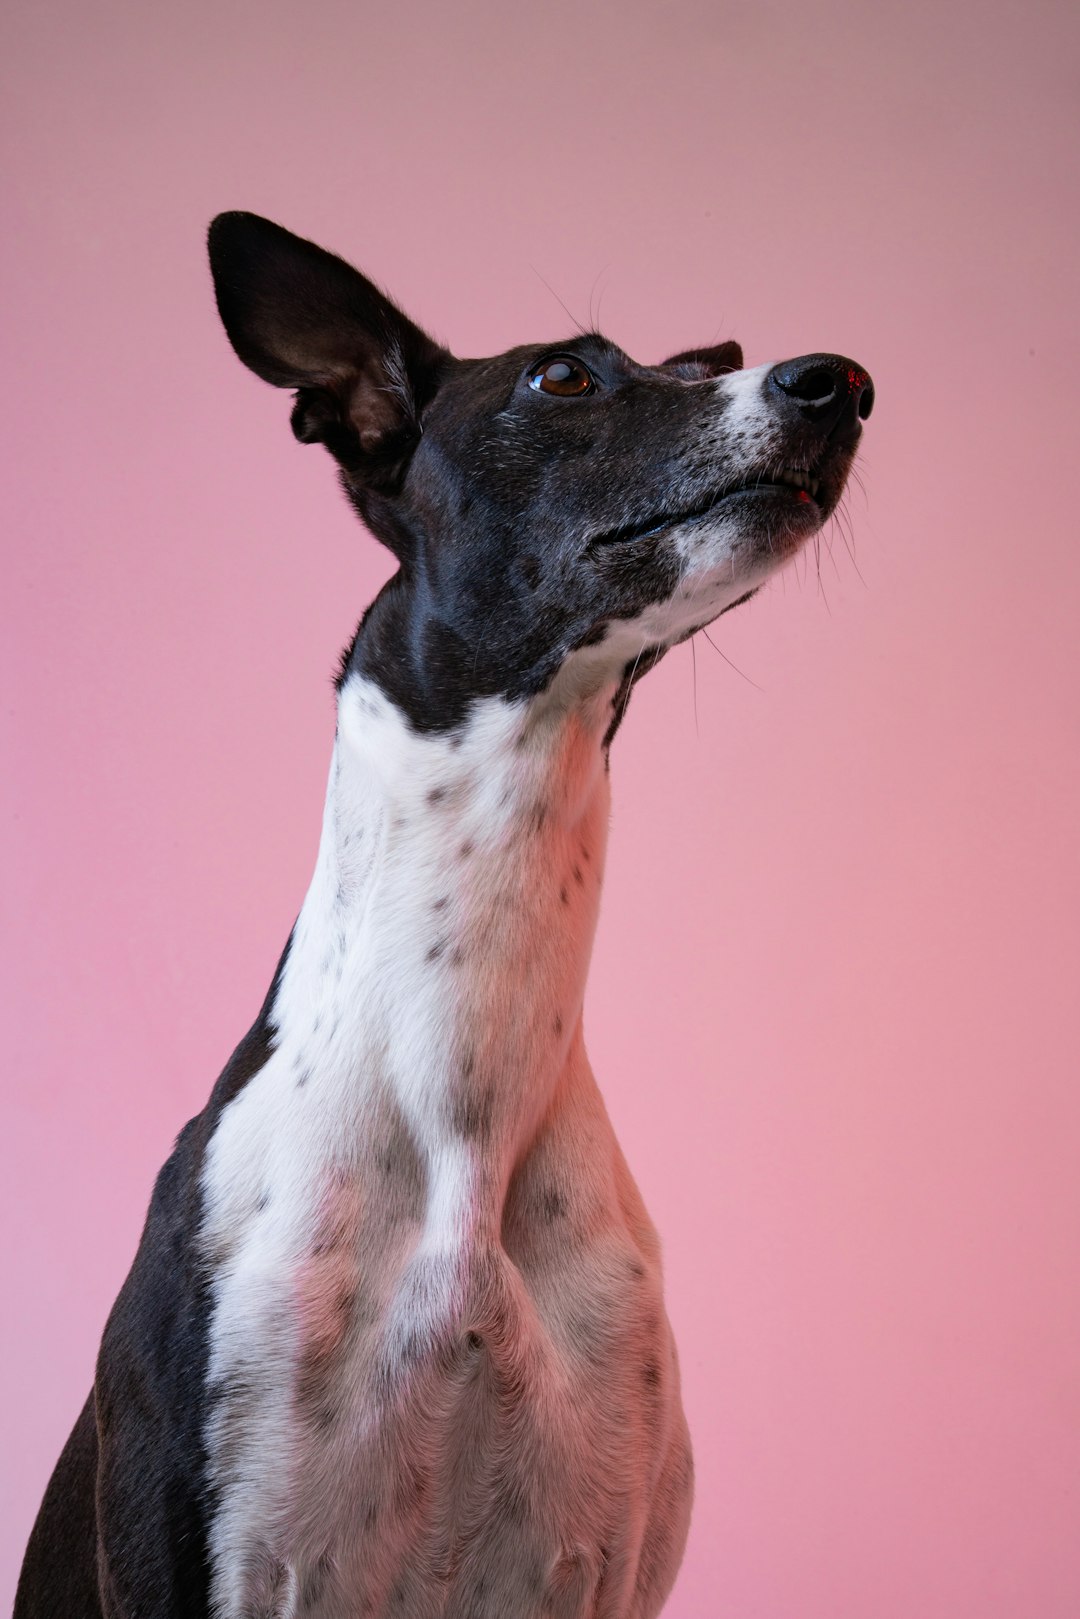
[(563, 376)]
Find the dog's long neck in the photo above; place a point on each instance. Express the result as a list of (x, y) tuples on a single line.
[(441, 954)]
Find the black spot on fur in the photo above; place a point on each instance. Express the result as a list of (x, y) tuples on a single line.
[(412, 1348), (578, 876), (472, 1114), (436, 950), (564, 897), (650, 1374), (436, 795), (410, 1486), (441, 904), (557, 1025), (314, 1581), (402, 1178), (322, 1415), (466, 849), (552, 1203), (511, 1505), (235, 1402), (591, 1339)]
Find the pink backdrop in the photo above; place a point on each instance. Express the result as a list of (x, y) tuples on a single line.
[(832, 1005)]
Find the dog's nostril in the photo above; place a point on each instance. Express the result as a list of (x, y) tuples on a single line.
[(814, 386), (866, 400)]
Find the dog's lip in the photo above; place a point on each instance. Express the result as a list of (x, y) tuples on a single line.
[(803, 497), (768, 483)]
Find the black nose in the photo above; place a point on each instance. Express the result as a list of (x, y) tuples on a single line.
[(826, 389)]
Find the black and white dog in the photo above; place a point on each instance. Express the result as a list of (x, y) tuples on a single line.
[(393, 1343)]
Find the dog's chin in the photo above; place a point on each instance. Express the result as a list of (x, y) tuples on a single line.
[(775, 521), (747, 535)]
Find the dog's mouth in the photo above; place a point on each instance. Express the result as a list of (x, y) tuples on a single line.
[(800, 478), (799, 485)]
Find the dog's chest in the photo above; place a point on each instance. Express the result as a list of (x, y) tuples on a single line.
[(396, 1418), (404, 1365), (409, 1415)]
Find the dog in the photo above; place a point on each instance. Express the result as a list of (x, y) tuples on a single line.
[(394, 1342)]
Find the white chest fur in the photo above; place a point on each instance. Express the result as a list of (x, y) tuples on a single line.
[(441, 1380)]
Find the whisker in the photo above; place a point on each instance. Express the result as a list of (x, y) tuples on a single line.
[(857, 475), (729, 663), (630, 683), (820, 582), (578, 327), (842, 518), (693, 659), (858, 570), (594, 315)]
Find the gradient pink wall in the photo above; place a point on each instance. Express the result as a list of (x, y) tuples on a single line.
[(832, 1006)]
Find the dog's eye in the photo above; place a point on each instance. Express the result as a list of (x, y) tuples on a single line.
[(563, 376)]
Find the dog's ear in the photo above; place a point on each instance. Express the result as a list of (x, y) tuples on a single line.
[(302, 318), (697, 364)]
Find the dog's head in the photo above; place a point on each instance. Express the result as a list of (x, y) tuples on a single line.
[(556, 497)]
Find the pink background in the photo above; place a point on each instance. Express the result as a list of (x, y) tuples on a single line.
[(833, 1001)]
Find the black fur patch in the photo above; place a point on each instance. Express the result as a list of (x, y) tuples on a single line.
[(140, 1479)]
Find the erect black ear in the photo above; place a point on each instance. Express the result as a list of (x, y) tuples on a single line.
[(302, 318), (697, 364)]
